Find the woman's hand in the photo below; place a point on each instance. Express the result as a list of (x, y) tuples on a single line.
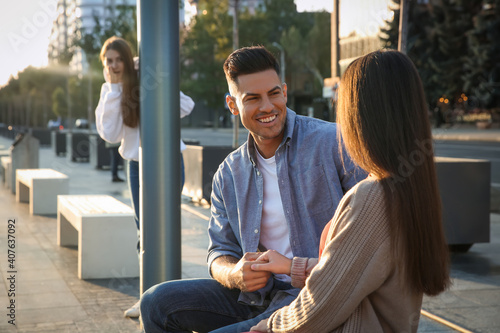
[(260, 327), (275, 263), (112, 76)]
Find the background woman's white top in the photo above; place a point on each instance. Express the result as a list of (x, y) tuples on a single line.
[(109, 120)]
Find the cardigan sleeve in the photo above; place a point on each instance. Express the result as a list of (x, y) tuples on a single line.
[(108, 115), (353, 265), (301, 269)]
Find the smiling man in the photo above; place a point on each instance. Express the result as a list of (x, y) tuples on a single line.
[(277, 191)]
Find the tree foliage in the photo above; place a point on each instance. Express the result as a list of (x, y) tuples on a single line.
[(208, 41), (205, 44), (482, 75), (59, 102), (455, 46)]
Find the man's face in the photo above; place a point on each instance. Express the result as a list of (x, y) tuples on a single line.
[(260, 100)]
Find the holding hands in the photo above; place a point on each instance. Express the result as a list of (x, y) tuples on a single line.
[(274, 262), (254, 269), (245, 278)]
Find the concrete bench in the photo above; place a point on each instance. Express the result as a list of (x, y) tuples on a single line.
[(104, 230), (40, 188), (6, 163)]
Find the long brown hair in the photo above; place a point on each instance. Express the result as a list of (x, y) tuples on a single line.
[(130, 102), (385, 128)]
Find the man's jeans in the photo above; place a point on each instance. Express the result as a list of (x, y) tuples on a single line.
[(204, 305)]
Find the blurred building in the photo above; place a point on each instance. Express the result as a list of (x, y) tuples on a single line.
[(76, 14), (359, 29), (82, 14)]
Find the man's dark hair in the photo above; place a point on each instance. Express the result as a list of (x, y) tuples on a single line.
[(249, 60)]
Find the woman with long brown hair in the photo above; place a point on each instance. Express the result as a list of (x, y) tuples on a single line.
[(118, 117), (385, 246)]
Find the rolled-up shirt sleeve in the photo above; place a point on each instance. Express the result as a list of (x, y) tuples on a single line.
[(220, 233)]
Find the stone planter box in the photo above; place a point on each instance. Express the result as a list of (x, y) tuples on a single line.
[(77, 146), (464, 185), (201, 163), (42, 134), (59, 142), (100, 155)]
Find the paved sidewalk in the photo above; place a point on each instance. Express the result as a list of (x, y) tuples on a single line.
[(49, 297)]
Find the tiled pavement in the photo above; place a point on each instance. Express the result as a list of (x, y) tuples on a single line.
[(50, 297)]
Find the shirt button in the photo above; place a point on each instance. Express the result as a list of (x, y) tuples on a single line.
[(252, 302), (258, 173), (260, 202), (256, 231)]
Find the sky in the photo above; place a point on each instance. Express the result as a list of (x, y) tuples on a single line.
[(25, 27)]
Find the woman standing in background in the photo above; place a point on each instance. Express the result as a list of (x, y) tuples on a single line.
[(118, 117)]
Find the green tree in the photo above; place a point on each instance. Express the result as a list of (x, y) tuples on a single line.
[(208, 41), (455, 20), (436, 43), (205, 46), (482, 66), (312, 50), (123, 24), (59, 102)]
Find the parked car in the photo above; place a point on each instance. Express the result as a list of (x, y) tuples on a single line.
[(82, 123), (54, 124)]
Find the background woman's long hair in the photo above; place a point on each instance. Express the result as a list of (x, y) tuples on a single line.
[(384, 125), (130, 102)]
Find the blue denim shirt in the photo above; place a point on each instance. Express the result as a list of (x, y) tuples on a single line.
[(311, 179)]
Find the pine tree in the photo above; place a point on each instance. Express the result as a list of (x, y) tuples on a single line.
[(454, 20), (421, 42), (482, 77), (437, 43)]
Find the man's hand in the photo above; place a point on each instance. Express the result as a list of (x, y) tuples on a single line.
[(234, 273), (274, 262), (247, 279)]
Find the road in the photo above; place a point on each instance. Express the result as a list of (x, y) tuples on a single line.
[(445, 148), (472, 149)]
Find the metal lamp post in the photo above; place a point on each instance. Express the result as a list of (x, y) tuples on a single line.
[(282, 60)]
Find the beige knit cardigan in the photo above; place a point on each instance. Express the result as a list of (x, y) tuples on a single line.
[(355, 286)]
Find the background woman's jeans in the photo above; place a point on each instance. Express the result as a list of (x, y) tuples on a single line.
[(133, 186)]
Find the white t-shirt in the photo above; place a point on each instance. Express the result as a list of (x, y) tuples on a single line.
[(275, 234)]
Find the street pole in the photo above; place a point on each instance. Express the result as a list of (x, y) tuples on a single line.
[(403, 25), (159, 168), (335, 66), (89, 101), (282, 60), (236, 122), (335, 40)]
